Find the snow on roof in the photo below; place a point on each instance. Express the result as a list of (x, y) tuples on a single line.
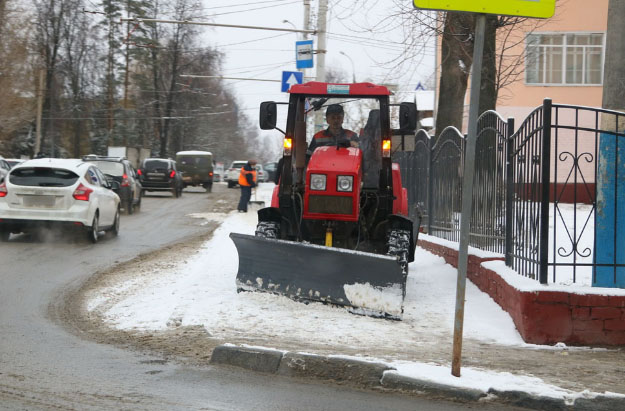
[(427, 122), (49, 162), (194, 153), (425, 100)]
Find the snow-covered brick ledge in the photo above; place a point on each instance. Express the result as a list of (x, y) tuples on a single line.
[(543, 314)]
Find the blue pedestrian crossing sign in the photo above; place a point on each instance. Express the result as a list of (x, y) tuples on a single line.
[(291, 77), (304, 54)]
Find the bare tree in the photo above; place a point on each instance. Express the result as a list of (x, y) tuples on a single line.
[(16, 111), (50, 20), (79, 57)]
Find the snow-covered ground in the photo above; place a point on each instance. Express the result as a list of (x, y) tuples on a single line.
[(201, 291)]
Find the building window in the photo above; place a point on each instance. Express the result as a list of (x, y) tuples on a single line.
[(567, 58)]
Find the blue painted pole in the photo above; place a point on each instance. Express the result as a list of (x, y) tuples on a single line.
[(610, 220), (610, 181)]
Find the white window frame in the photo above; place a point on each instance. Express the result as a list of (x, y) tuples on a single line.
[(563, 47)]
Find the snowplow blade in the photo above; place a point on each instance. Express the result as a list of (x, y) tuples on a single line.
[(367, 283)]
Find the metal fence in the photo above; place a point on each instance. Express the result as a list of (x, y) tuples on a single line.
[(433, 175), (539, 194)]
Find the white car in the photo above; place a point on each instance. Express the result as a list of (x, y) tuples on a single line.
[(232, 174), (261, 175), (58, 193)]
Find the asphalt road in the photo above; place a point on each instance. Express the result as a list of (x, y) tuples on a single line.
[(45, 366)]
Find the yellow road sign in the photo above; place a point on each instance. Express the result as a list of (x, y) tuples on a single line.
[(524, 8)]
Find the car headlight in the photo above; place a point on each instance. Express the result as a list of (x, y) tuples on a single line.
[(318, 182), (345, 183)]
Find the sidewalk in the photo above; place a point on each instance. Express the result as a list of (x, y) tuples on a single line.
[(273, 334)]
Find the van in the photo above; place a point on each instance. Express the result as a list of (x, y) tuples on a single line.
[(196, 168)]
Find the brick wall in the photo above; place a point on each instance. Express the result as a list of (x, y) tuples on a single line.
[(547, 317)]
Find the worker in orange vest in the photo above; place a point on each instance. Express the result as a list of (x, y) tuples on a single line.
[(247, 181)]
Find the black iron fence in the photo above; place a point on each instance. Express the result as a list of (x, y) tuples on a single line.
[(539, 193)]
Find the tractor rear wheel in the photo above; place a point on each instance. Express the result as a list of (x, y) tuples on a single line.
[(398, 243)]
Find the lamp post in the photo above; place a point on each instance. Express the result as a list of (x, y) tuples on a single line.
[(353, 66), (288, 22)]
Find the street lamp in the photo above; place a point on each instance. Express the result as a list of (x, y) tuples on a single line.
[(353, 66), (288, 22)]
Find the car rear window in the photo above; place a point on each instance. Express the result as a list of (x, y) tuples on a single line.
[(237, 165), (111, 168), (43, 177), (151, 165), (197, 161)]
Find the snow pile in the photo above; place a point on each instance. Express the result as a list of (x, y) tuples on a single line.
[(387, 300)]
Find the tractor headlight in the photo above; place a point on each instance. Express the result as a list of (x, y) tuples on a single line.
[(318, 182), (345, 183)]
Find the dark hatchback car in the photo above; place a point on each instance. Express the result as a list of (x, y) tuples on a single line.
[(160, 174), (121, 170)]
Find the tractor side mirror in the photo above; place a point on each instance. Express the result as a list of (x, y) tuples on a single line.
[(268, 115), (408, 117)]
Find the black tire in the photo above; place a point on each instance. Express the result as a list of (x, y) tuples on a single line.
[(4, 235), (130, 206), (115, 228), (210, 188), (92, 233), (267, 229), (230, 184), (398, 243)]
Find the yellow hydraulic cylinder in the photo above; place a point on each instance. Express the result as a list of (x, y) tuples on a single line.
[(328, 237)]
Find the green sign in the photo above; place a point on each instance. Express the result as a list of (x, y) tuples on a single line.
[(542, 9)]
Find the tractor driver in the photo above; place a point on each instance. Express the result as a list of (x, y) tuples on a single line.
[(335, 132)]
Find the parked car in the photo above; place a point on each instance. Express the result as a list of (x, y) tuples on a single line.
[(4, 168), (160, 174), (14, 161), (120, 170), (232, 175), (58, 193), (196, 168), (261, 174), (218, 172), (271, 169)]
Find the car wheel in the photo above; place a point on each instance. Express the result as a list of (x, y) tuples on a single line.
[(230, 184), (130, 207), (209, 187), (115, 228), (4, 235), (92, 234)]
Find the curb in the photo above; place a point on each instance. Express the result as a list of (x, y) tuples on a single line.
[(369, 374), (396, 381)]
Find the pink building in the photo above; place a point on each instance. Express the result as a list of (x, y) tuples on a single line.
[(563, 60), (560, 58)]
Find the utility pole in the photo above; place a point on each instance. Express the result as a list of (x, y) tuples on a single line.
[(126, 77), (321, 55), (39, 111), (306, 18)]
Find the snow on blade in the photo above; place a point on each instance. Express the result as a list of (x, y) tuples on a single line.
[(386, 300)]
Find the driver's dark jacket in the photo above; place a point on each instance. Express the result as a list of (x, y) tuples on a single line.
[(325, 138)]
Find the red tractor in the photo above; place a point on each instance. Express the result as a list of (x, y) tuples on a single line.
[(338, 229)]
